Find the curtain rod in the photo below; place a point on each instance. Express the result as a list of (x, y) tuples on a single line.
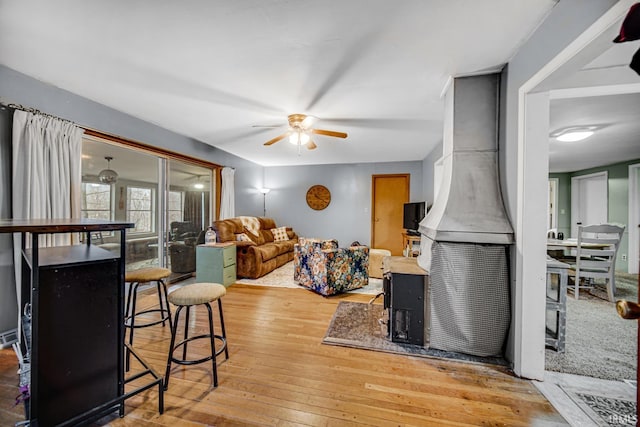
[(32, 110), (36, 111)]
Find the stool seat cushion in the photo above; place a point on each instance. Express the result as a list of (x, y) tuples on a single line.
[(147, 274), (197, 293)]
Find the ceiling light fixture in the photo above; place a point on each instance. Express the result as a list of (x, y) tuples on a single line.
[(574, 133), (108, 175), (575, 136)]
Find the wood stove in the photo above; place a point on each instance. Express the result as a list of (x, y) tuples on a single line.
[(406, 301)]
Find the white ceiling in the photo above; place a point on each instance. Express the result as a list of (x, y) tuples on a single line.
[(212, 70)]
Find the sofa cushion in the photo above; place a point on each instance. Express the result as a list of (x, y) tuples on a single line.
[(267, 223), (227, 229), (285, 246), (267, 251), (279, 234), (267, 236), (255, 237)]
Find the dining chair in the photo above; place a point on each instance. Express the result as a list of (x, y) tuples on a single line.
[(596, 257)]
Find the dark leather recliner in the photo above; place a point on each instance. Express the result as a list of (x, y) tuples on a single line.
[(185, 236)]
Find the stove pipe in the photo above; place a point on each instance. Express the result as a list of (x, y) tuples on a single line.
[(469, 206)]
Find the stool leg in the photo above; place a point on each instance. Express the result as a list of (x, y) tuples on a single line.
[(166, 301), (133, 294), (186, 333), (128, 304), (224, 332), (174, 332), (160, 303), (213, 346)]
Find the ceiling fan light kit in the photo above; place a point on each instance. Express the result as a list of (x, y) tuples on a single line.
[(300, 131)]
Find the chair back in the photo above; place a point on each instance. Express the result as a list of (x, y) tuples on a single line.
[(592, 259)]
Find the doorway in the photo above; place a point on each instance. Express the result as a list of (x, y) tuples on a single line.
[(389, 193), (589, 200)]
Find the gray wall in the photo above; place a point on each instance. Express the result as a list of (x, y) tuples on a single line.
[(348, 216), (567, 20)]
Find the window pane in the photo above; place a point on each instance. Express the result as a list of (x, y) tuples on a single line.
[(140, 208), (96, 201)]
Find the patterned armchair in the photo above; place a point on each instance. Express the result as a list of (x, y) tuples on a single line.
[(328, 270)]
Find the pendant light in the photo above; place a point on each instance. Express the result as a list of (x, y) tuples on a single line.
[(108, 175)]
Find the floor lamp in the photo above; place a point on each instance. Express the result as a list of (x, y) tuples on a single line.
[(264, 192)]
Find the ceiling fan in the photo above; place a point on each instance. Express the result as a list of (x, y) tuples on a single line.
[(300, 130)]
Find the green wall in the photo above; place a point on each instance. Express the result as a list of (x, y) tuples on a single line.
[(618, 175), (564, 202)]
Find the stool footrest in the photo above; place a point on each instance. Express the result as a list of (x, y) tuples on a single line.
[(204, 359), (166, 316)]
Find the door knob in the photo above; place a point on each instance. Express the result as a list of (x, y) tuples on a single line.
[(627, 309)]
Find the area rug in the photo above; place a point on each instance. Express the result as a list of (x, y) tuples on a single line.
[(282, 277), (599, 343), (604, 410), (360, 325)]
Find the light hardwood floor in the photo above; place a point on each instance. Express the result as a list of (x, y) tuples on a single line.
[(280, 374)]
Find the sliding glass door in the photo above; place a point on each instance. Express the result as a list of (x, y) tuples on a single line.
[(168, 200), (188, 213)]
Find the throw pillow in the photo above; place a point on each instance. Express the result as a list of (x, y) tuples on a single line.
[(242, 237), (279, 234)]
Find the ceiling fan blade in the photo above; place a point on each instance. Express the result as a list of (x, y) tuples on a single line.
[(311, 145), (276, 139), (267, 126), (329, 133)]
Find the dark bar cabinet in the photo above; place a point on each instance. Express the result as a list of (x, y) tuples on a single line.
[(72, 297)]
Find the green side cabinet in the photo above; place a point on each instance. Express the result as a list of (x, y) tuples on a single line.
[(216, 263)]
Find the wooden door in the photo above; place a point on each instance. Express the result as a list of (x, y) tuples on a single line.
[(389, 193)]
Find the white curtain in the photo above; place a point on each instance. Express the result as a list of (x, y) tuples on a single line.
[(47, 177), (227, 203)]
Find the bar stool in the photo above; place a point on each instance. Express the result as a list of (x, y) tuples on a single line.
[(188, 296), (134, 278)]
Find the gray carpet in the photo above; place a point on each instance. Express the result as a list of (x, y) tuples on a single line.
[(358, 325), (598, 342)]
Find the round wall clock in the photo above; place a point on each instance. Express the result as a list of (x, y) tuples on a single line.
[(318, 197)]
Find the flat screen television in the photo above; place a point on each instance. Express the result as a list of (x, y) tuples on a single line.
[(413, 213)]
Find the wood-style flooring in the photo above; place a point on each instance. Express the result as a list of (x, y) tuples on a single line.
[(279, 374)]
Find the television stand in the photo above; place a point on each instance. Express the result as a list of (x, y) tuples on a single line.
[(408, 243), (413, 233)]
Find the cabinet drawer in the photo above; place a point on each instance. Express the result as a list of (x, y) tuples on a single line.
[(229, 275), (229, 256)]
